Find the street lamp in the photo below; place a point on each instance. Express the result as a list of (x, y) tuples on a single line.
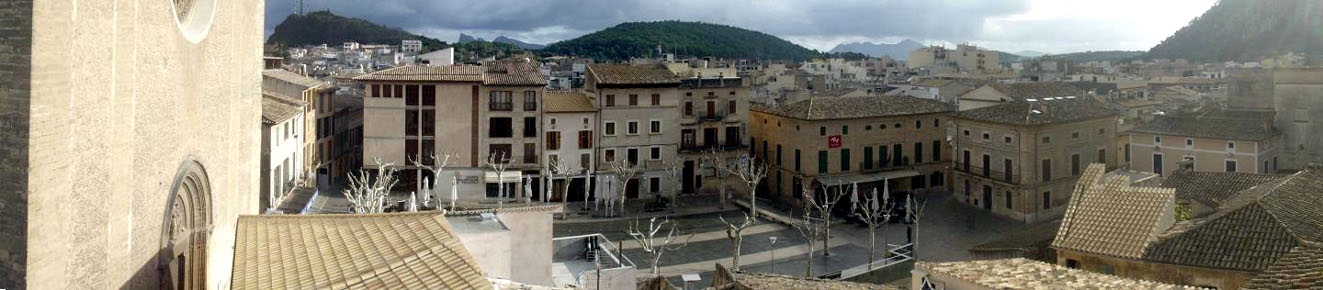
[(772, 239)]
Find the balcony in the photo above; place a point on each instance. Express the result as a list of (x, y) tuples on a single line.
[(500, 106), (995, 175), (711, 117)]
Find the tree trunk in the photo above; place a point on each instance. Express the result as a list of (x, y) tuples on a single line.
[(735, 261), (656, 271), (826, 234), (872, 244), (753, 201), (722, 191), (808, 268)]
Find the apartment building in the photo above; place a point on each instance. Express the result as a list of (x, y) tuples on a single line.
[(318, 97), (569, 123), (1217, 140), (965, 58), (476, 114), (1021, 158), (636, 105), (869, 141), (713, 119), (282, 146)]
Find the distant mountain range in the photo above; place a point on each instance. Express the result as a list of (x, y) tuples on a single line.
[(520, 44), (900, 50), (467, 38), (1108, 55), (1029, 53), (1247, 30), (641, 39)]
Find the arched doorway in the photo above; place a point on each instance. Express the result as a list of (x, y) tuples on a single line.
[(187, 226)]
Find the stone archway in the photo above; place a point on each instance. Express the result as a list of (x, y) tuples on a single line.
[(186, 229)]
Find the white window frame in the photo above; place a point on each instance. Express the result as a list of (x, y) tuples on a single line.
[(609, 128), (659, 126), (635, 127), (1189, 142), (604, 154), (1232, 161)]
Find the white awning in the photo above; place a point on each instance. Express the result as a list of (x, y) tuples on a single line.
[(496, 177), (836, 180)]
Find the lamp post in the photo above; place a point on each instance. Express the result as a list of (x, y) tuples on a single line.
[(772, 240)]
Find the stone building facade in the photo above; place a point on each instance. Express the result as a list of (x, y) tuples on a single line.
[(1020, 159), (871, 141), (130, 141)]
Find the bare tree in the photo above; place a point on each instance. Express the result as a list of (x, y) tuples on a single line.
[(722, 170), (811, 229), (734, 232), (624, 172), (648, 241), (914, 208), (874, 211), (563, 171), (751, 171), (498, 162), (439, 163), (367, 194), (824, 209), (673, 171)]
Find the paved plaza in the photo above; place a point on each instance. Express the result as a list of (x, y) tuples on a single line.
[(947, 231)]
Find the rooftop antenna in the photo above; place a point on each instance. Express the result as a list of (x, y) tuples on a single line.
[(301, 8)]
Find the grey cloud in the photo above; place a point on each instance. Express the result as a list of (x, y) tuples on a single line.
[(932, 19)]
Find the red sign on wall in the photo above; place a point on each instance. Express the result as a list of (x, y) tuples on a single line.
[(834, 141)]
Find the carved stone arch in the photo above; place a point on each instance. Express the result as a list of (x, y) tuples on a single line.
[(186, 229)]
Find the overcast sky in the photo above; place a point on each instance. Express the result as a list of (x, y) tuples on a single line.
[(1052, 26)]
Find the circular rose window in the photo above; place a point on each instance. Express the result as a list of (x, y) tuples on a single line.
[(193, 17)]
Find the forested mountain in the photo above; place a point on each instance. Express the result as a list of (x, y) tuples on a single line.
[(324, 27), (640, 39), (1247, 30), (899, 51), (516, 42)]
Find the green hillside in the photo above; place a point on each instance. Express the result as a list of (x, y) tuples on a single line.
[(324, 27), (640, 39), (1247, 30)]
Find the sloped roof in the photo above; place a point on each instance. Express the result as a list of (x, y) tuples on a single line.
[(1020, 273), (426, 74), (1231, 125), (566, 101), (628, 74), (832, 108), (294, 78), (1211, 188), (1108, 216), (724, 279), (1302, 268), (514, 71), (1252, 229), (1040, 111), (1021, 91), (367, 251), (277, 107)]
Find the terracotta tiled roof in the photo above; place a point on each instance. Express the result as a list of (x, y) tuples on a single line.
[(277, 107), (1108, 216), (1020, 273), (515, 71), (1041, 111), (1302, 268), (426, 74), (1231, 125), (294, 78), (1021, 91), (627, 74), (566, 101), (1211, 188), (1252, 229), (369, 251), (857, 107)]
